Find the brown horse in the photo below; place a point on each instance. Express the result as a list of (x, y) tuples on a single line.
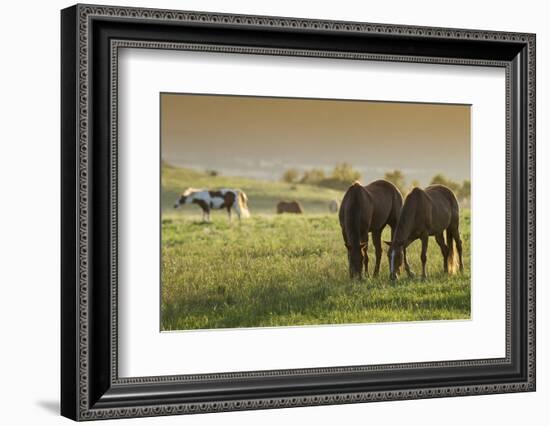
[(289, 207), (427, 212), (367, 209)]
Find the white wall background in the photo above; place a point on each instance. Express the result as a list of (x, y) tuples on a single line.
[(29, 211)]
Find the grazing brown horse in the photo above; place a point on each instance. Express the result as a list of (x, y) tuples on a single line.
[(289, 207), (427, 212), (367, 209)]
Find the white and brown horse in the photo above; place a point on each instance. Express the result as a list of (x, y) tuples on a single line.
[(216, 199)]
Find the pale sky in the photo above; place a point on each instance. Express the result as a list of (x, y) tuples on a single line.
[(261, 137)]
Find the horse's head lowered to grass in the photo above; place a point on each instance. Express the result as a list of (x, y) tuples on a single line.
[(356, 258), (184, 195), (395, 258)]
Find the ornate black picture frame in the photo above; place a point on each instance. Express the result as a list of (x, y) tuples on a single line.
[(91, 37)]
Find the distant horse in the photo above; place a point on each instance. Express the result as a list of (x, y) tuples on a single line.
[(289, 207), (427, 212), (217, 199), (333, 206), (367, 209)]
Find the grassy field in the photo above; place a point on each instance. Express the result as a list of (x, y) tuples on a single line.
[(262, 195), (282, 270)]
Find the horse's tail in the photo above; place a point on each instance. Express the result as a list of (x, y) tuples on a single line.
[(452, 259), (242, 204)]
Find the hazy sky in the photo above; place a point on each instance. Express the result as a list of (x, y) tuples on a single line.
[(262, 137)]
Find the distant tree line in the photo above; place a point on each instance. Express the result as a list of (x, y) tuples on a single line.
[(461, 190), (342, 176)]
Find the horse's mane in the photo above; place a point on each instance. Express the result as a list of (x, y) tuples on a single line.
[(408, 213), (190, 191)]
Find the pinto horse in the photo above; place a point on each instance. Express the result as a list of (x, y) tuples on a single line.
[(217, 199), (367, 209), (427, 212)]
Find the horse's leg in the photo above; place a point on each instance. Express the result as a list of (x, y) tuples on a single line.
[(458, 242), (423, 256), (344, 237), (444, 251), (377, 241), (366, 255), (229, 212), (347, 248), (238, 210), (406, 262)]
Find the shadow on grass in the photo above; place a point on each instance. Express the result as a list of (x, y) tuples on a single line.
[(201, 223)]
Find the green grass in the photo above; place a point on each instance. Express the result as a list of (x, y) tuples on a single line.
[(283, 270)]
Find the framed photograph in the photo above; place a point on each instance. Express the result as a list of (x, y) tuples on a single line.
[(263, 212)]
